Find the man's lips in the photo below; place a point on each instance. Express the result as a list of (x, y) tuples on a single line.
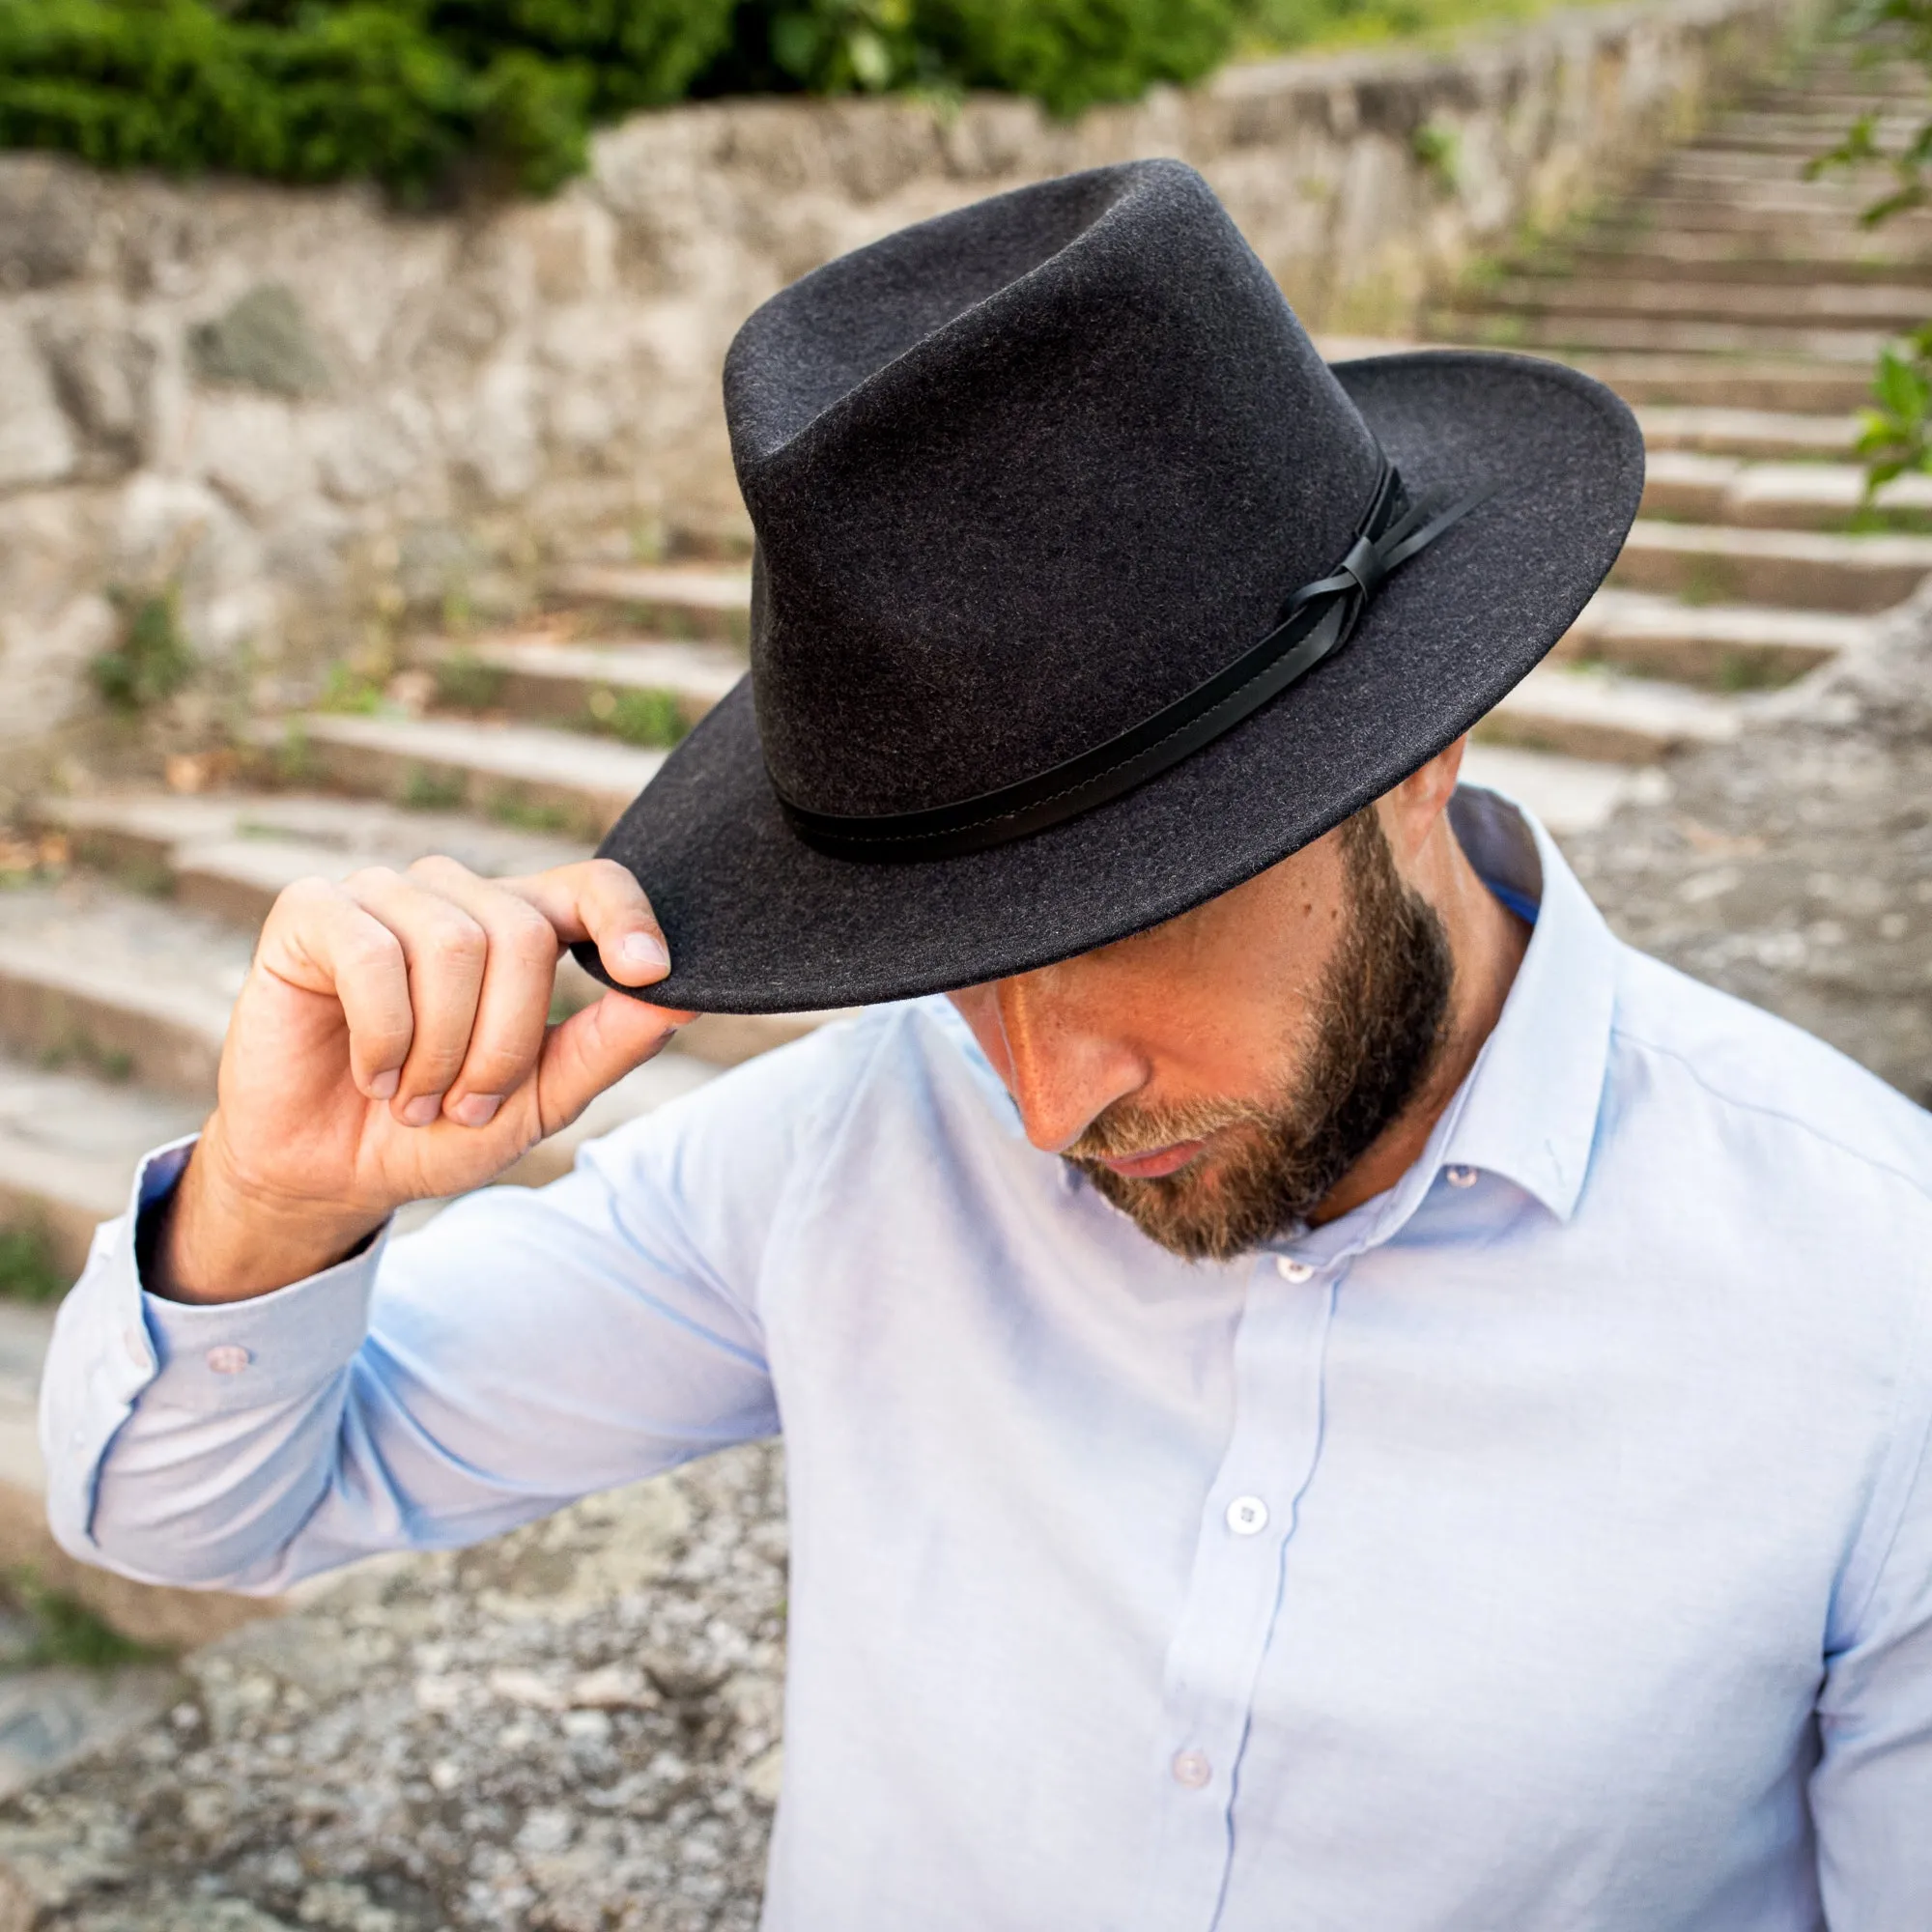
[(1154, 1166)]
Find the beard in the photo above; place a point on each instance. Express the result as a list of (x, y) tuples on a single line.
[(1378, 1023)]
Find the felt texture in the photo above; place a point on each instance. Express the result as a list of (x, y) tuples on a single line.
[(1020, 476), (992, 461)]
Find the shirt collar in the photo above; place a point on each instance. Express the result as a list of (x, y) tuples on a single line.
[(1528, 1109)]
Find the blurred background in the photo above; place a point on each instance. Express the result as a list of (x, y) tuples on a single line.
[(364, 493)]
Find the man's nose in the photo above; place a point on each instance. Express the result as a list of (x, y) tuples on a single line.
[(1062, 1069)]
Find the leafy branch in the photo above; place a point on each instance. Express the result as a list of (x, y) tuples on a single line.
[(1894, 434)]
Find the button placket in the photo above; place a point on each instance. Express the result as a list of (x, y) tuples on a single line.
[(1235, 1587)]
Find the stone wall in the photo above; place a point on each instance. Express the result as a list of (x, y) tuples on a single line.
[(308, 415)]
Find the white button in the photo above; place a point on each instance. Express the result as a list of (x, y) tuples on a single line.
[(229, 1359), (1461, 1176), (136, 1345), (1291, 1269), (1192, 1769), (1247, 1516)]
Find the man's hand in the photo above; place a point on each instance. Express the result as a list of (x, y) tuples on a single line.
[(391, 1044)]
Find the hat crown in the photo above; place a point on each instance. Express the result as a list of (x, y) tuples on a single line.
[(1021, 476)]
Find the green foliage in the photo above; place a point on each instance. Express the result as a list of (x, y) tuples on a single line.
[(421, 95), (1892, 434), (152, 659), (513, 808), (1275, 25), (27, 1270), (648, 718), (351, 691), (1073, 54), (822, 46), (464, 682), (63, 1630), (432, 788), (322, 90), (1439, 150)]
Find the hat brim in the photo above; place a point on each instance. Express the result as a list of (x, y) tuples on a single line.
[(758, 921)]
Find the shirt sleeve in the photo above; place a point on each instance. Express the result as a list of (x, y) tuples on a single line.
[(527, 1348), (1871, 1791)]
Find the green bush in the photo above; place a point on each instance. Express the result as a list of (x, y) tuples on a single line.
[(152, 659), (423, 94), (403, 91), (1073, 54)]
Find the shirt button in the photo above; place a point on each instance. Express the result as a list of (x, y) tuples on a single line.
[(1461, 1176), (1247, 1516), (135, 1342), (1291, 1269), (229, 1359), (1192, 1769)]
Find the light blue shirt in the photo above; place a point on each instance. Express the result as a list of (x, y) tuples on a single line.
[(1544, 1546)]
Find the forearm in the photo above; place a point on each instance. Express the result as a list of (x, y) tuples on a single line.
[(213, 1239)]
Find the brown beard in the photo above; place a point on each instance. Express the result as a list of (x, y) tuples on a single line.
[(1379, 1026)]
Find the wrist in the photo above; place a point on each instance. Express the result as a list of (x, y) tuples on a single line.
[(221, 1236)]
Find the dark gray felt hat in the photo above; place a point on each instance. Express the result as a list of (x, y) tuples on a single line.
[(1085, 590)]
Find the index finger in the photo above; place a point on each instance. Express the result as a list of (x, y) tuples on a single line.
[(600, 902)]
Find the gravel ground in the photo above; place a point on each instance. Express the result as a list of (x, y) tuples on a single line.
[(576, 1727)]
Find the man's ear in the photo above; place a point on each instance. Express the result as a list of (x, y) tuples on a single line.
[(1412, 812)]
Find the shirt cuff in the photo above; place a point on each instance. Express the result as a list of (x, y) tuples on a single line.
[(215, 1356)]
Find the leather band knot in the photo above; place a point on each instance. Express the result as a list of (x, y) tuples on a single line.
[(1315, 622)]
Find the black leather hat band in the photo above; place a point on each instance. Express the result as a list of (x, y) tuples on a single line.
[(1315, 622)]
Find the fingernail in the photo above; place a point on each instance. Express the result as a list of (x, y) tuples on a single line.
[(422, 1110), (383, 1085), (645, 953), (475, 1110)]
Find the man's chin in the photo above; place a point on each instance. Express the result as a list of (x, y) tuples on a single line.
[(1188, 1214)]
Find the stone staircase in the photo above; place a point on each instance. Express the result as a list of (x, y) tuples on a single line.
[(1739, 308), (1736, 305)]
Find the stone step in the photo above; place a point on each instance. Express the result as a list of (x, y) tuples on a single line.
[(678, 602), (1624, 334), (1781, 221), (527, 777), (230, 854), (87, 955), (1829, 305), (1723, 647), (96, 979), (1776, 496), (1761, 387), (1854, 257), (645, 690), (1598, 715), (1723, 167), (69, 1145), (1765, 435), (1794, 569), (1725, 382), (1570, 795), (1799, 133)]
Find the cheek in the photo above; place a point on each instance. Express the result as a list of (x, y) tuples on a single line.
[(979, 1008)]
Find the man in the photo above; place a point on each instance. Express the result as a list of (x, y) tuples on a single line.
[(1319, 1390)]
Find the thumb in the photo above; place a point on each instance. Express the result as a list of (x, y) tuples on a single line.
[(594, 1049)]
